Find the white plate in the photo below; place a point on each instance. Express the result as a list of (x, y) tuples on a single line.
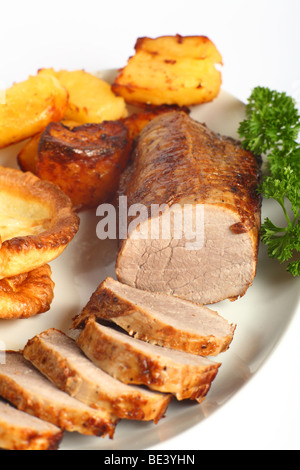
[(258, 315)]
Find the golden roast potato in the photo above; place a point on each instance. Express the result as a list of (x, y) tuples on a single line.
[(26, 294), (29, 106), (91, 99), (170, 70), (37, 222)]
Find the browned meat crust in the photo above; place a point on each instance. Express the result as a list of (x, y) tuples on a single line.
[(59, 358), (136, 122), (180, 161), (136, 362), (23, 386), (21, 431), (159, 319)]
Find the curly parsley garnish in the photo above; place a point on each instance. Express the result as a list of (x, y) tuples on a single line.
[(271, 128)]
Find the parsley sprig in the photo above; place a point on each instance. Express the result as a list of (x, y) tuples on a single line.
[(271, 128)]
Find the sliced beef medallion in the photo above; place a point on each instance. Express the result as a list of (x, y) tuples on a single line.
[(136, 362), (22, 385), (193, 212), (21, 431), (159, 319), (60, 359)]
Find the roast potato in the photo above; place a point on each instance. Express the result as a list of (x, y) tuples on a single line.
[(86, 161), (91, 99), (27, 157), (170, 70), (29, 106)]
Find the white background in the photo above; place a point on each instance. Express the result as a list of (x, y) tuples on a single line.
[(259, 41)]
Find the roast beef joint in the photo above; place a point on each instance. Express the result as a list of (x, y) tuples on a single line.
[(177, 163)]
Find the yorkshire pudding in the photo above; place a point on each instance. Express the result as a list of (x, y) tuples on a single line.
[(27, 294), (37, 222)]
